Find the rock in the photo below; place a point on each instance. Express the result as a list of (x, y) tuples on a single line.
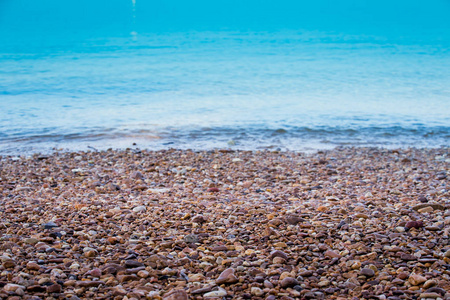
[(332, 254), (11, 287), (256, 291), (95, 273), (437, 290), (416, 279), (8, 263), (176, 295), (213, 190), (427, 209), (31, 241), (278, 260), (288, 282), (429, 296), (227, 276), (414, 224), (140, 208), (430, 283), (293, 219), (125, 278), (54, 288), (89, 283), (202, 290), (50, 225), (408, 257), (434, 206), (133, 264), (447, 253), (143, 273), (198, 219), (137, 175), (112, 268), (323, 283), (367, 272), (191, 238), (33, 266), (278, 253), (219, 293)]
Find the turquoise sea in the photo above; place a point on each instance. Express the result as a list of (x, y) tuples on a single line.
[(297, 75)]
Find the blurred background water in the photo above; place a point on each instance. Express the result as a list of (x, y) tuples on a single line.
[(296, 75)]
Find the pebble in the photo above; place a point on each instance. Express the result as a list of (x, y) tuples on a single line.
[(367, 272), (414, 224), (140, 208), (288, 282), (416, 279), (227, 276), (176, 295), (219, 293)]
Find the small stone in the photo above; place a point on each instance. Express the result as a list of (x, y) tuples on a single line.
[(31, 241), (288, 282), (89, 283), (191, 238), (176, 295), (268, 284), (11, 287), (447, 253), (427, 209), (50, 225), (227, 276), (367, 272), (213, 190), (416, 279), (278, 253), (54, 288), (33, 266), (322, 208), (256, 291), (434, 206), (438, 290), (95, 273), (414, 224), (293, 219), (133, 264), (408, 257), (140, 208), (126, 278), (332, 254), (278, 260), (9, 263), (219, 293), (198, 219), (430, 283), (143, 274), (429, 295), (324, 283)]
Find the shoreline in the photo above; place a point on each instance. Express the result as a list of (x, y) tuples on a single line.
[(181, 224)]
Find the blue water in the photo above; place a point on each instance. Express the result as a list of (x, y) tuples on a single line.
[(248, 74)]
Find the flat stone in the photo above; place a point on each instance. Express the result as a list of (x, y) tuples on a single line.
[(176, 295), (227, 276), (278, 253), (332, 254), (219, 293), (288, 282), (433, 205), (367, 272), (416, 279)]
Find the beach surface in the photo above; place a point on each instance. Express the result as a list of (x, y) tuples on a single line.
[(348, 223)]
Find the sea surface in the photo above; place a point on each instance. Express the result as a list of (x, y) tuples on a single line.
[(289, 75)]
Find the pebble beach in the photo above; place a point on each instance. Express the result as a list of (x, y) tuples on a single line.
[(348, 223)]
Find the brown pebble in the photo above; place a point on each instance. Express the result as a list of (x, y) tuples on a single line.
[(176, 295)]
